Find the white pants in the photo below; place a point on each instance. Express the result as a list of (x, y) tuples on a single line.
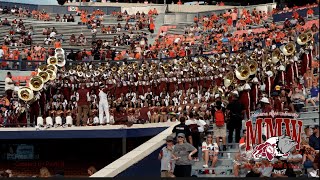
[(104, 109)]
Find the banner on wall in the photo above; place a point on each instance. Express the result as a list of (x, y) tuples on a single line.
[(72, 8)]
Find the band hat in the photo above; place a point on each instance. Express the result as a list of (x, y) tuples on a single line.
[(255, 80), (265, 100), (216, 95), (282, 68), (246, 87)]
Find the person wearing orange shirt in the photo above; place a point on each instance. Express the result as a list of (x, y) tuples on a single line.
[(57, 44), (151, 27), (310, 13)]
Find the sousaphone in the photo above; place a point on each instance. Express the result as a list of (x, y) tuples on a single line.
[(242, 72), (61, 60), (52, 60), (59, 51), (36, 83), (53, 68), (276, 56), (302, 39), (45, 76), (25, 94), (253, 65), (288, 49), (52, 74), (42, 68), (228, 79), (309, 35)]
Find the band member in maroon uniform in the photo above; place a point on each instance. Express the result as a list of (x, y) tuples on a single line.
[(269, 82), (66, 90), (290, 73), (245, 99), (281, 75), (21, 115), (83, 105), (306, 62), (34, 112), (254, 93)]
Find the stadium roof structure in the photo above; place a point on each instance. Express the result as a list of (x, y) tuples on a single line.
[(35, 2)]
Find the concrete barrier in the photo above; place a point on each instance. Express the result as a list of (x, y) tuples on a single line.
[(3, 73), (135, 155)]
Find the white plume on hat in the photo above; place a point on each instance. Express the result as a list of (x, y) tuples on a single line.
[(264, 100), (255, 80), (282, 68), (235, 92), (246, 87), (269, 73), (295, 58)]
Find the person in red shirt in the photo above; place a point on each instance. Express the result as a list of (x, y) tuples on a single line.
[(83, 105)]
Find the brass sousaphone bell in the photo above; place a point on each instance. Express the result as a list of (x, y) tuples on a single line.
[(52, 74), (309, 35), (61, 60), (36, 83), (253, 65), (302, 39), (53, 68), (242, 72), (52, 60), (25, 94), (45, 76), (288, 49), (42, 68), (228, 79), (276, 56)]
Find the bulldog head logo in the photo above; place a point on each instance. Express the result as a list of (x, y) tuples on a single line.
[(274, 147)]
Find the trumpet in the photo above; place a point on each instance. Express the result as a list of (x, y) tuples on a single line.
[(25, 94), (243, 72), (36, 83)]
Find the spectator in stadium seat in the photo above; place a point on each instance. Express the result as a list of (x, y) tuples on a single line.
[(308, 158), (314, 138), (314, 95), (219, 131), (295, 161), (91, 170), (9, 85), (210, 151), (182, 154)]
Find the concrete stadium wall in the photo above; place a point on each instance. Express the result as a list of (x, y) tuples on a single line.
[(134, 8), (125, 165)]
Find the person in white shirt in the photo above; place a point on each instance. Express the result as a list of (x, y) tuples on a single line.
[(53, 34), (103, 104), (9, 85), (1, 53), (210, 151)]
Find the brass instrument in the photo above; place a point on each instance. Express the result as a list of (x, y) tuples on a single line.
[(53, 68), (253, 65), (216, 56), (276, 56), (25, 94), (288, 49), (79, 67), (243, 72), (134, 66), (59, 51), (182, 62), (202, 59), (114, 68), (36, 83), (88, 74), (102, 69), (96, 73), (52, 74), (143, 67), (42, 68), (80, 74), (309, 35), (140, 73), (253, 56), (229, 78), (302, 39), (153, 66), (45, 76), (194, 65), (61, 61), (52, 60)]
